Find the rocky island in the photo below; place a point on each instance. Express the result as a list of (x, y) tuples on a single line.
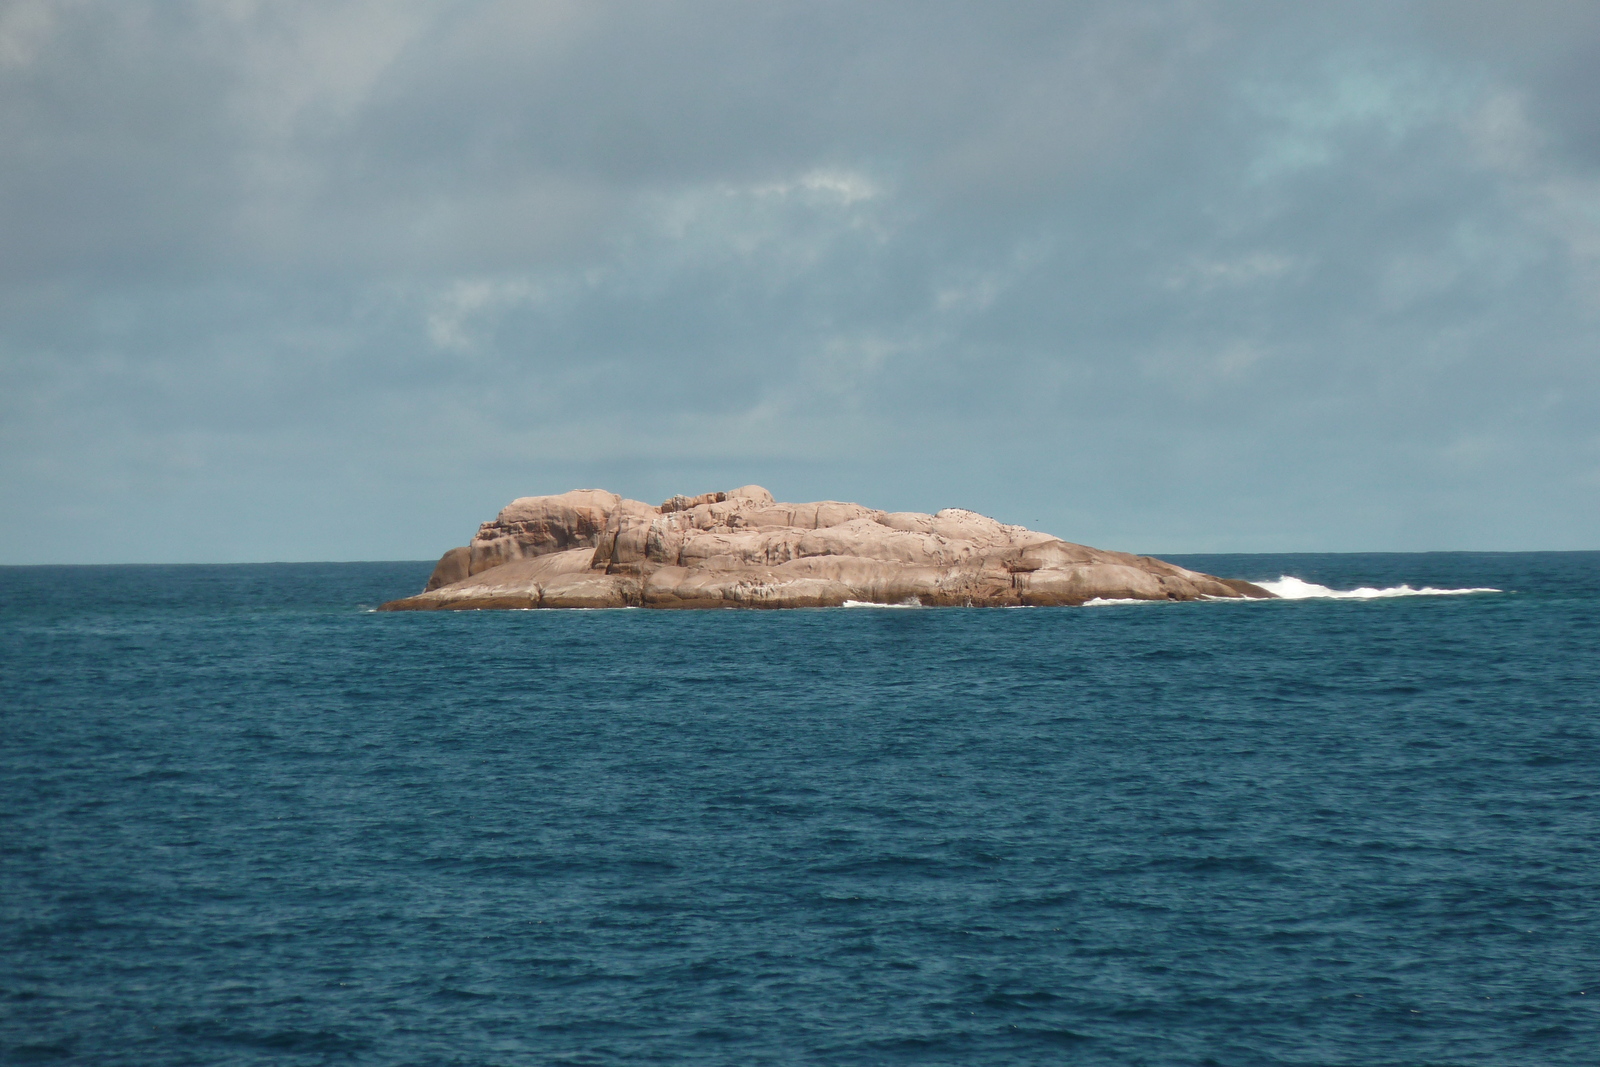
[(742, 549)]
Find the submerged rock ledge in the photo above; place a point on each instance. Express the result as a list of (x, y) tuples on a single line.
[(741, 549)]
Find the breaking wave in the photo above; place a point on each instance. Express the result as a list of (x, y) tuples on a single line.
[(1291, 588)]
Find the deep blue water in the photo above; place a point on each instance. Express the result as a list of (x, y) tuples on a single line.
[(243, 821)]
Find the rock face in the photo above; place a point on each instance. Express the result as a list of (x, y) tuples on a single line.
[(742, 549)]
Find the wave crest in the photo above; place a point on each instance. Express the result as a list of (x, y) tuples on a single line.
[(1290, 588)]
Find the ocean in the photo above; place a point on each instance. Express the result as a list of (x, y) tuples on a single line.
[(245, 820)]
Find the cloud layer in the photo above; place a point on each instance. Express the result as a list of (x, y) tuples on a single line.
[(313, 281)]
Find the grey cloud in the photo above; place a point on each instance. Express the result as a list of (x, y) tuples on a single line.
[(1166, 276)]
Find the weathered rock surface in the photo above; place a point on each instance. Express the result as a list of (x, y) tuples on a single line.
[(593, 549)]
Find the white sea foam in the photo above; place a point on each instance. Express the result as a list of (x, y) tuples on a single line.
[(1291, 588), (912, 602), (1105, 602)]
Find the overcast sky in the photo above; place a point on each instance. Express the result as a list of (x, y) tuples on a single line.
[(294, 281)]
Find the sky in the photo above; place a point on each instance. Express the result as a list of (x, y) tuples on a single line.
[(337, 280)]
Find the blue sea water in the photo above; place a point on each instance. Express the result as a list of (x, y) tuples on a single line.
[(243, 820)]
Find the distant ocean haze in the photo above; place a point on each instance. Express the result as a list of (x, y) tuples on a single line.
[(244, 819)]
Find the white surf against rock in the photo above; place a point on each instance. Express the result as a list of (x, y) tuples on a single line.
[(1291, 588)]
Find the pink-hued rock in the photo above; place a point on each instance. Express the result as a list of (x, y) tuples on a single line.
[(537, 525), (593, 549)]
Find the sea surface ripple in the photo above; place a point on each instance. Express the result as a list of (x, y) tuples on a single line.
[(244, 820)]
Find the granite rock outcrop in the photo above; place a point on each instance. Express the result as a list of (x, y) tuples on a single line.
[(593, 549)]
